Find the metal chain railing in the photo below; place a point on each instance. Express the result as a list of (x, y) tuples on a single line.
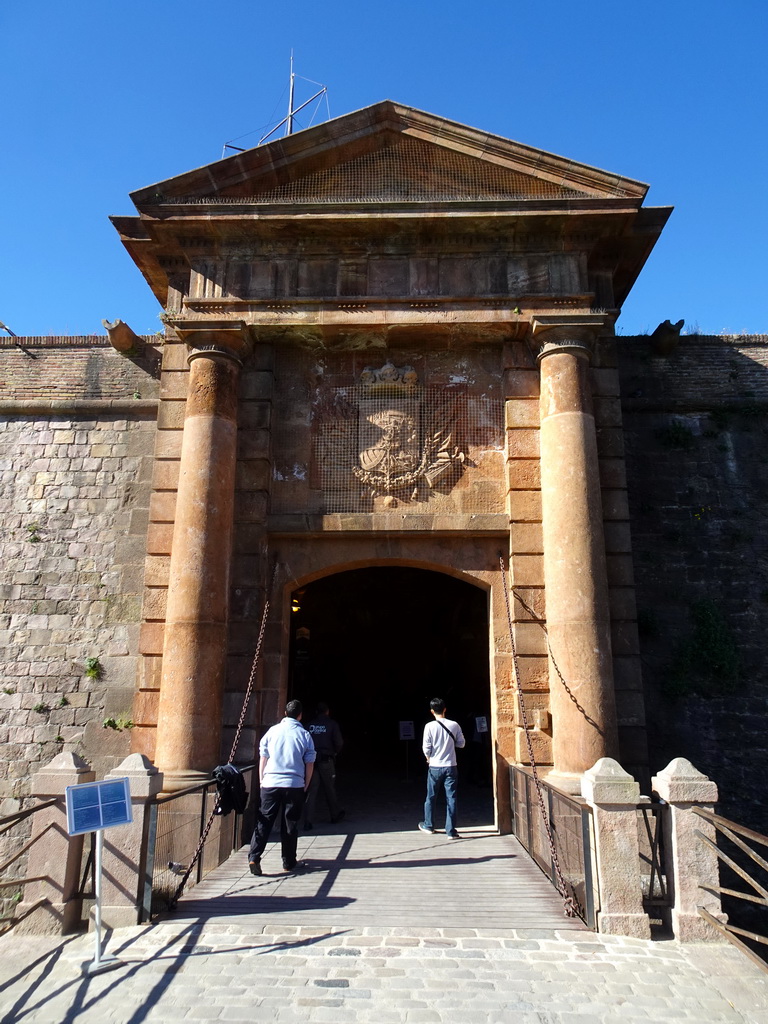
[(560, 883), (543, 627), (238, 732), (254, 664)]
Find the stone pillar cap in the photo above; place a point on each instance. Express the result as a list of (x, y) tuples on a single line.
[(135, 764), (606, 782), (146, 779), (66, 769), (66, 761), (681, 782)]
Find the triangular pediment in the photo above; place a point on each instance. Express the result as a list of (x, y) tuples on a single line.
[(411, 170), (388, 153)]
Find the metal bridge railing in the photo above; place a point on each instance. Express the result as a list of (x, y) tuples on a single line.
[(653, 865), (8, 880), (736, 839), (570, 820), (176, 824)]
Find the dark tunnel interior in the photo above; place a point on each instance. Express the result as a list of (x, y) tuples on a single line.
[(376, 645)]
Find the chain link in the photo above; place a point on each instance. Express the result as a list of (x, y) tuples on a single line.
[(238, 732), (560, 883), (254, 664)]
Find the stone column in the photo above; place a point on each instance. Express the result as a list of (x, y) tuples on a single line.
[(691, 863), (195, 641), (576, 586), (55, 860), (125, 847), (614, 795)]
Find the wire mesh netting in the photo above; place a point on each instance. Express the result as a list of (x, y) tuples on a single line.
[(426, 448), (180, 823), (409, 170)]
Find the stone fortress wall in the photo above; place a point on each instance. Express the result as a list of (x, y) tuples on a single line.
[(77, 423), (87, 497), (696, 437)]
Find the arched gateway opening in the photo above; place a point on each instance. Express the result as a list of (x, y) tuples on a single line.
[(377, 644)]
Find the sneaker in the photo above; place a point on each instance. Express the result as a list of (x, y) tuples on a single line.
[(425, 828), (453, 835), (254, 866)]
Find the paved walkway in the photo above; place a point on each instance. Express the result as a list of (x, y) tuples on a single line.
[(391, 926)]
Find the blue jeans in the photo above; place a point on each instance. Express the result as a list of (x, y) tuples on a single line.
[(437, 779)]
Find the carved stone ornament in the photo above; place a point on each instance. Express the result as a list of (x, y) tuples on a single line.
[(405, 442), (389, 376)]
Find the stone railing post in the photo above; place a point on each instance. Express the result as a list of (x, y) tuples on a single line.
[(613, 796), (125, 847), (584, 725), (691, 863), (55, 859), (196, 622)]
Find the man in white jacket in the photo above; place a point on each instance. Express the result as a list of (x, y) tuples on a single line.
[(442, 738)]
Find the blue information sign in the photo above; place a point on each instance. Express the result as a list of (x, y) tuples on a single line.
[(96, 805)]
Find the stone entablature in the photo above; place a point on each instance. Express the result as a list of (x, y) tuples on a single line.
[(388, 275), (552, 229)]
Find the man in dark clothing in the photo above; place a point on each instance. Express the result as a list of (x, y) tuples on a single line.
[(326, 735), (286, 761)]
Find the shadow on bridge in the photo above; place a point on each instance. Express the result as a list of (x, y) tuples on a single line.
[(375, 869)]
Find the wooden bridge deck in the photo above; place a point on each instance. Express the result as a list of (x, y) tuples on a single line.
[(375, 869)]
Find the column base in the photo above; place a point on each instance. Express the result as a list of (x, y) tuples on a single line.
[(47, 919), (125, 916), (693, 927), (634, 926)]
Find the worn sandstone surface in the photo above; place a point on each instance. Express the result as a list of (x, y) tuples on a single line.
[(75, 463)]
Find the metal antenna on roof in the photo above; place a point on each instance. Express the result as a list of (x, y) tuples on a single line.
[(290, 118), (291, 90)]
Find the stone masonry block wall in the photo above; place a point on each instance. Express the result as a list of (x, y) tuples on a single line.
[(59, 368), (74, 493), (523, 483), (249, 573), (526, 557), (625, 647), (696, 432)]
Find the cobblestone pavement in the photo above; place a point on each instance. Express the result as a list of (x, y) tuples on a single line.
[(363, 938), (181, 971)]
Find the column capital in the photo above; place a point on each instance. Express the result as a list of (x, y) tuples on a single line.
[(224, 339), (572, 333)]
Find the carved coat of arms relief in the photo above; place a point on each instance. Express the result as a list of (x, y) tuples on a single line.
[(405, 442)]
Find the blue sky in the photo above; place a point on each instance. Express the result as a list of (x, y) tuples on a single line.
[(100, 99)]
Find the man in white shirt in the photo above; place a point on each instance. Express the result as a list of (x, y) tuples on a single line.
[(286, 762), (442, 738)]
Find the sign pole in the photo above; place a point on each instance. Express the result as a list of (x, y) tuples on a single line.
[(100, 962)]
